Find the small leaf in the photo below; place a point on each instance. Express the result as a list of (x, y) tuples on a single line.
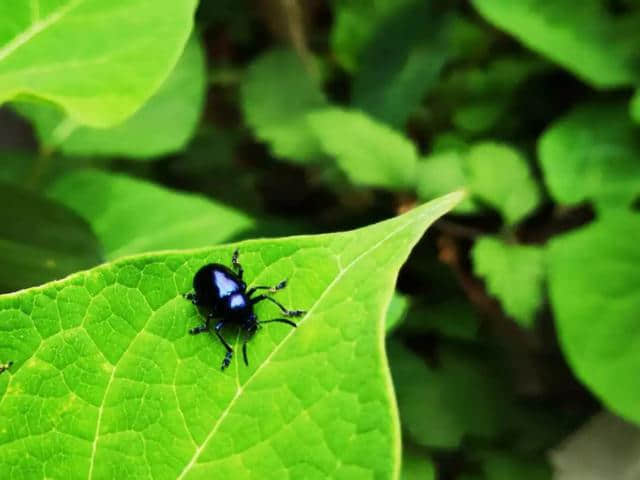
[(635, 106), (460, 397), (108, 382), (416, 466), (590, 42), (403, 60), (41, 240), (163, 125), (277, 93), (594, 284), (514, 274), (505, 466), (370, 153), (355, 24), (451, 318), (605, 448), (99, 60), (598, 144), (132, 216), (444, 172), (397, 311), (480, 116), (485, 94), (500, 176)]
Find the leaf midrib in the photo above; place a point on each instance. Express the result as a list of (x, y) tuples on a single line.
[(277, 348), (36, 28)]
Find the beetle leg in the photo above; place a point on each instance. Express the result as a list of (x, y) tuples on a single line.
[(247, 335), (281, 320), (287, 313), (236, 265), (279, 286), (227, 358), (191, 297), (201, 328)]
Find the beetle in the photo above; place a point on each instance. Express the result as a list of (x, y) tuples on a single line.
[(5, 366), (222, 292)]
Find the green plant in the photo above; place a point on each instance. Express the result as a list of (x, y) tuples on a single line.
[(139, 140)]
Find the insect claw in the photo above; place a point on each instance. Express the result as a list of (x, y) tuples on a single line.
[(227, 360)]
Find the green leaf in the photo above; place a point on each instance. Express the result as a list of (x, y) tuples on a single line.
[(598, 144), (41, 240), (595, 45), (16, 167), (398, 308), (402, 61), (355, 24), (605, 448), (514, 274), (482, 96), (635, 106), (416, 466), (277, 93), (133, 216), (444, 172), (99, 60), (505, 466), (163, 125), (500, 176), (480, 116), (369, 153), (594, 284), (107, 383), (440, 406), (452, 318)]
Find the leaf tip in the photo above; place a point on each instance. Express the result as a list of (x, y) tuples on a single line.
[(451, 200)]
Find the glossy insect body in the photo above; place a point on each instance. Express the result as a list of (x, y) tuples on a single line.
[(223, 293)]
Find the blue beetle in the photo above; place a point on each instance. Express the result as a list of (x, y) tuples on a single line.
[(223, 293)]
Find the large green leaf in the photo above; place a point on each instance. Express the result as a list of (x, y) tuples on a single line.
[(277, 93), (597, 46), (370, 153), (597, 144), (133, 216), (107, 383), (594, 284), (514, 274), (163, 125), (99, 60), (41, 240)]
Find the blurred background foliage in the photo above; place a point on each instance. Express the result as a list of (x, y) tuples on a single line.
[(516, 320)]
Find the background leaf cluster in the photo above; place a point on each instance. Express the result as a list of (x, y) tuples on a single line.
[(130, 127)]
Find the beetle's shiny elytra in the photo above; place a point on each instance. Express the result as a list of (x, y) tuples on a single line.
[(223, 293)]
